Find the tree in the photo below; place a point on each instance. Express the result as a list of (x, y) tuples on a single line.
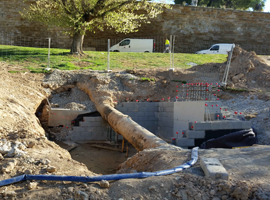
[(78, 16), (235, 4)]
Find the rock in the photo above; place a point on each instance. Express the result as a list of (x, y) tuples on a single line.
[(79, 195), (212, 192), (224, 197), (183, 194), (236, 78), (241, 192), (91, 189), (216, 198), (224, 95), (251, 67), (230, 85), (5, 146), (45, 161), (32, 185), (9, 166), (1, 157), (70, 189), (31, 144), (9, 194), (264, 96), (152, 189), (250, 116), (92, 197), (104, 184), (51, 169), (28, 171)]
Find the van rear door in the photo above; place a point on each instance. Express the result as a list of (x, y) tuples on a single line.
[(124, 46)]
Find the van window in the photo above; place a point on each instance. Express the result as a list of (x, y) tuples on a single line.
[(214, 48), (124, 43)]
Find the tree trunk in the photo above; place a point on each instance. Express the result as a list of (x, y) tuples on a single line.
[(77, 44), (210, 3)]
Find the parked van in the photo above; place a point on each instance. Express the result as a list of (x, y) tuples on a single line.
[(134, 45), (217, 49)]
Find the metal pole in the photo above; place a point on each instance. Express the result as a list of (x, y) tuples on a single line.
[(173, 52), (108, 59), (170, 52), (49, 46)]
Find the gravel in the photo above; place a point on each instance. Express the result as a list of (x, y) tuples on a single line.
[(256, 107)]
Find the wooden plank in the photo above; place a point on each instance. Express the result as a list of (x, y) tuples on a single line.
[(104, 147)]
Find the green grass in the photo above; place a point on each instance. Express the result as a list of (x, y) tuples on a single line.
[(147, 79), (36, 59), (14, 72), (236, 89)]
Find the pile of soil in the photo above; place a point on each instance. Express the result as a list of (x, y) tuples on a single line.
[(248, 70)]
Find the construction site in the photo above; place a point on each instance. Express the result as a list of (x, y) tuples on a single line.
[(85, 134)]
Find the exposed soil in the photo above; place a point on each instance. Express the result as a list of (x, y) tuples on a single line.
[(23, 95), (100, 161)]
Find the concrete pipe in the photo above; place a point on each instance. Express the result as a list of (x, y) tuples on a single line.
[(135, 134), (122, 124)]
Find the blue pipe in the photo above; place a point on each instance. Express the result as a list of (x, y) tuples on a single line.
[(194, 158)]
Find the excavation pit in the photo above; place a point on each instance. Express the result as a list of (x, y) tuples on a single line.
[(99, 160)]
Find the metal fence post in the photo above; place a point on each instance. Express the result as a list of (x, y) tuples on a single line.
[(171, 53), (108, 58), (49, 46)]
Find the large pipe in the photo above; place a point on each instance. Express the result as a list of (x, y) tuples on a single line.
[(135, 134), (122, 124)]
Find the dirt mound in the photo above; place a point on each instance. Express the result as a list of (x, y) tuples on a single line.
[(248, 70)]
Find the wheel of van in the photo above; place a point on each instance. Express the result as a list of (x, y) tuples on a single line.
[(146, 52), (115, 51)]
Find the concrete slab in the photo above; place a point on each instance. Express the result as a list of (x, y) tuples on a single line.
[(213, 116), (219, 125), (200, 126), (187, 111), (213, 169), (194, 134), (60, 116), (94, 124), (185, 142), (93, 119)]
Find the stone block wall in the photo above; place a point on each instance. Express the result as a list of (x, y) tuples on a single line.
[(195, 28), (166, 120), (143, 113)]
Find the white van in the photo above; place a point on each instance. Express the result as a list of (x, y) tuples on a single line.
[(217, 49), (134, 45)]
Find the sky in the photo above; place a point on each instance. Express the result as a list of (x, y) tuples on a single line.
[(266, 8)]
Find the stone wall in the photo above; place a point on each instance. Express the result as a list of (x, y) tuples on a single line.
[(195, 28)]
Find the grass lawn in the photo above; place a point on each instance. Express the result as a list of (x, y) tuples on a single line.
[(36, 59)]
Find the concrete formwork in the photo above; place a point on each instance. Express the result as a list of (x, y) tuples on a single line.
[(60, 116), (164, 119)]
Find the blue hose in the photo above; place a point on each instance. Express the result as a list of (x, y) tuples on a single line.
[(194, 158)]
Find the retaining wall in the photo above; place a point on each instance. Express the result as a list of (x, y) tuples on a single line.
[(195, 27)]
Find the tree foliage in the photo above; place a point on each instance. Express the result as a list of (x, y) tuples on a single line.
[(80, 15), (235, 4)]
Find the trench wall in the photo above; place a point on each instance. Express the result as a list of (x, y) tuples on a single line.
[(195, 28)]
